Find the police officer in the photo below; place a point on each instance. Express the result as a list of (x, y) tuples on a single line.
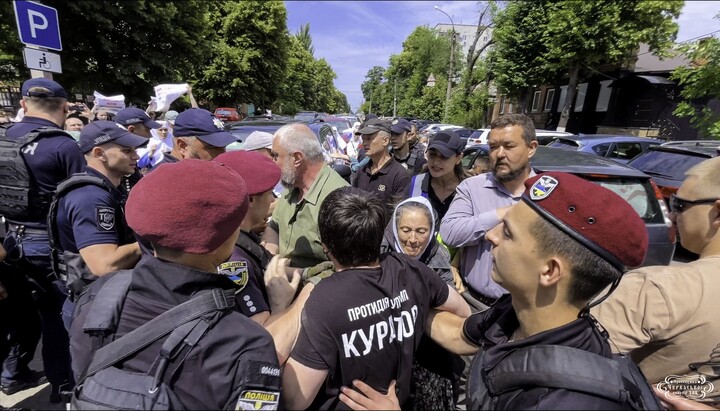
[(197, 134), (408, 153), (88, 220), (234, 365), (48, 155), (249, 259), (139, 123)]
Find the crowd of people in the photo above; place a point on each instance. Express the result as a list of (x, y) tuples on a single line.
[(163, 272)]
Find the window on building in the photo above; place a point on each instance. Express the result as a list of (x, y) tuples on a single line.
[(603, 100), (580, 97), (563, 96), (536, 101), (549, 96), (502, 105)]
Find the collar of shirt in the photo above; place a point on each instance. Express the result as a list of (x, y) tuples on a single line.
[(491, 182), (91, 171), (174, 283), (315, 189), (383, 170), (39, 121)]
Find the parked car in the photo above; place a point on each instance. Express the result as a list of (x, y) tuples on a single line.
[(668, 162), (306, 116), (636, 187), (243, 129), (227, 114), (422, 123), (431, 129), (341, 124), (543, 137), (618, 148), (464, 134)]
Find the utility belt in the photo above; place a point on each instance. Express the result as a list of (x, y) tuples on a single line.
[(22, 230)]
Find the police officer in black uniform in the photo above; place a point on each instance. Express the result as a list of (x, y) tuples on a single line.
[(87, 222), (48, 155), (250, 260), (234, 366), (409, 154), (139, 123)]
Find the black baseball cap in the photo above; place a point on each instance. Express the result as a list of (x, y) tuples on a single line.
[(42, 87), (133, 115), (374, 125), (448, 143), (101, 132)]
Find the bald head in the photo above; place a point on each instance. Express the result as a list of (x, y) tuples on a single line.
[(706, 178), (298, 137)]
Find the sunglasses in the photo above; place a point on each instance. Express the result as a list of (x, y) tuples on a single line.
[(678, 204)]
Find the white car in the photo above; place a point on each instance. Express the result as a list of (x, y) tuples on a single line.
[(480, 136)]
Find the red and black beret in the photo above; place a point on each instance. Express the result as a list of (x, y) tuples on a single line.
[(596, 217), (259, 172), (192, 206)]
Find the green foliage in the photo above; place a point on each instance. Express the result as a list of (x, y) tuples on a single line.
[(700, 82), (538, 41), (303, 34), (249, 53)]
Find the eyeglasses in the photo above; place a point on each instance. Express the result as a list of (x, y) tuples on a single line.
[(678, 204)]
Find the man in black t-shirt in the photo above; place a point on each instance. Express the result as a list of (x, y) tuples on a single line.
[(364, 322)]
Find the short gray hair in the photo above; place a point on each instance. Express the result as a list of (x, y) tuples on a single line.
[(299, 137)]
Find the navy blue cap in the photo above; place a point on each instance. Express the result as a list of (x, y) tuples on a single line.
[(202, 124), (448, 143), (133, 115), (42, 88), (102, 132), (400, 125), (374, 125)]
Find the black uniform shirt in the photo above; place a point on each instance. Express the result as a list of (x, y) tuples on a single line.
[(492, 329), (91, 215), (50, 160), (223, 371), (245, 271), (390, 183), (366, 324), (417, 154)]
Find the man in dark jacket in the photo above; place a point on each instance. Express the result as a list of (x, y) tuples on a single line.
[(234, 365), (566, 241)]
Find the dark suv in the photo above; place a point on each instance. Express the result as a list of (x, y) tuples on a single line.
[(667, 163), (636, 187)]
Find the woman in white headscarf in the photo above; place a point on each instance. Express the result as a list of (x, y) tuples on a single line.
[(413, 231)]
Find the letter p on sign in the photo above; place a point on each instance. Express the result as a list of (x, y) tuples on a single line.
[(37, 25)]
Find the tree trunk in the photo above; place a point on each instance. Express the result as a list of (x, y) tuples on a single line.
[(571, 91)]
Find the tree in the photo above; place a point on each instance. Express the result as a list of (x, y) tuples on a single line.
[(700, 83), (370, 87), (544, 37), (249, 54), (117, 47), (303, 34)]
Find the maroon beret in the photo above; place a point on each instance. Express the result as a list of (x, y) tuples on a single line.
[(259, 172), (593, 215), (192, 206)]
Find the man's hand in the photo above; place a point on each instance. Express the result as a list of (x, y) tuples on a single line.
[(280, 290), (679, 403), (87, 113), (369, 399), (459, 286)]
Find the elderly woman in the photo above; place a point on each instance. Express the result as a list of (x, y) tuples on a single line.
[(412, 231)]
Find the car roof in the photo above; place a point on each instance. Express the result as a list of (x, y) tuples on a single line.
[(258, 123), (697, 147), (576, 162), (609, 137)]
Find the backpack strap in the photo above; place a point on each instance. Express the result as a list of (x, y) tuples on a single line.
[(254, 249), (141, 337), (108, 304), (555, 366)]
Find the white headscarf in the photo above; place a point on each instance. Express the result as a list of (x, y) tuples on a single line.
[(424, 202)]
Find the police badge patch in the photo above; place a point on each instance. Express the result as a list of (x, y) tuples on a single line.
[(236, 271), (105, 217), (258, 400)]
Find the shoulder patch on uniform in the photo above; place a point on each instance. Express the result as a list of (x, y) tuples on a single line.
[(236, 271), (258, 400), (543, 187), (105, 217)]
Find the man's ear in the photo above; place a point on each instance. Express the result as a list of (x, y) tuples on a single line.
[(181, 143), (716, 218), (99, 153), (298, 158), (554, 270), (131, 128)]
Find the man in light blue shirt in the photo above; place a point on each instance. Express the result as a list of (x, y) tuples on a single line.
[(481, 202)]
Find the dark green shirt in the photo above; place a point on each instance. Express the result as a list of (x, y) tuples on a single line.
[(296, 221)]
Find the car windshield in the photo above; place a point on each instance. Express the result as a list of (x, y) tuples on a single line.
[(639, 193), (339, 125), (667, 164), (565, 144), (305, 117)]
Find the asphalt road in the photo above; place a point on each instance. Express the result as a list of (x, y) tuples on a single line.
[(38, 398)]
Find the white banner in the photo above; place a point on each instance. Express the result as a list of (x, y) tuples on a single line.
[(111, 103), (165, 94)]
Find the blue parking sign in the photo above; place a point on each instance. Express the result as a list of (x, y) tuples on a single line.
[(37, 25)]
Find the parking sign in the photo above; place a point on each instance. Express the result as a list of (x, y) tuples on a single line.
[(37, 25)]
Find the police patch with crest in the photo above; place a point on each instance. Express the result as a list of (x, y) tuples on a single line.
[(236, 271), (105, 218), (258, 400), (542, 187)]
